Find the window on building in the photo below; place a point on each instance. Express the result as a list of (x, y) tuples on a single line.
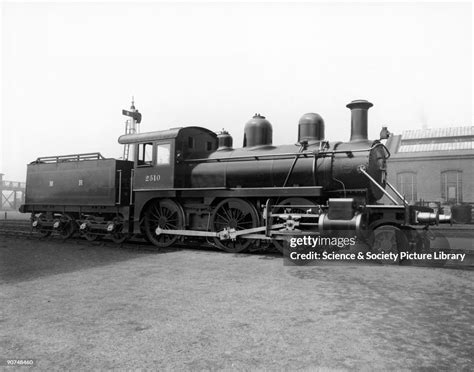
[(451, 186), (145, 154), (406, 184)]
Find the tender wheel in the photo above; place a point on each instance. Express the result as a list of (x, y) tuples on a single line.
[(42, 231), (91, 237), (118, 236), (166, 214), (89, 234), (68, 226), (298, 203), (234, 214), (389, 239)]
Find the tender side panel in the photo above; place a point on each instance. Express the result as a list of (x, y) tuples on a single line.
[(89, 182)]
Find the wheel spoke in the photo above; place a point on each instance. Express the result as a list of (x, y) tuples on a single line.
[(222, 217), (227, 212), (157, 211), (241, 217)]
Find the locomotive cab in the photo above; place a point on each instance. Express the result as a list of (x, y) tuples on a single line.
[(154, 164), (159, 156)]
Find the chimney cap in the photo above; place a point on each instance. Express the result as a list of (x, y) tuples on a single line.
[(360, 103)]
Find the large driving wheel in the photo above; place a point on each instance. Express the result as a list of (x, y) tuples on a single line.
[(295, 205), (389, 239), (166, 214), (235, 214)]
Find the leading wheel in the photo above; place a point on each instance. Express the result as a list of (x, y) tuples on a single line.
[(389, 239), (235, 214), (295, 205), (166, 214), (433, 242)]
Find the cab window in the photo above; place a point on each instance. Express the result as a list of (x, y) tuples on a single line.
[(145, 154), (163, 152)]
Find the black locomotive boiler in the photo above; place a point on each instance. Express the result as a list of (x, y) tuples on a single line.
[(191, 183)]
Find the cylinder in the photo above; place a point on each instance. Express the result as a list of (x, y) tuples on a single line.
[(359, 113), (343, 227), (310, 128)]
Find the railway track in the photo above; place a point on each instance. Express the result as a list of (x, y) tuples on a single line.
[(15, 227), (23, 229)]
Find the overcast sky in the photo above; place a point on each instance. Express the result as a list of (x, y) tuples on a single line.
[(69, 69)]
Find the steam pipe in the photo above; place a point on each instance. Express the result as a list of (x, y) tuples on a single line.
[(396, 192), (361, 169)]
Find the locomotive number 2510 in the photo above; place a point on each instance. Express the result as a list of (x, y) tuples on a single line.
[(152, 178)]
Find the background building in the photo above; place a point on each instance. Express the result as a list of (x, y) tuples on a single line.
[(12, 194), (433, 165)]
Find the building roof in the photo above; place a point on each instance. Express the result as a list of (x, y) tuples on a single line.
[(453, 141), (438, 133), (441, 146)]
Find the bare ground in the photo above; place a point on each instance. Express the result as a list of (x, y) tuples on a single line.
[(80, 307)]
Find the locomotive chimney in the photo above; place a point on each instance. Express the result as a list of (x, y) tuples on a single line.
[(359, 109)]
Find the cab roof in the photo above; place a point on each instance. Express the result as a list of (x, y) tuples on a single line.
[(159, 135)]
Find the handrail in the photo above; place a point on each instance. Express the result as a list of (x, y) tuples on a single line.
[(72, 157), (12, 184), (120, 187), (287, 155), (132, 174)]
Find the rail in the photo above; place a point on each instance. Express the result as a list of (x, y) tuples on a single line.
[(12, 185), (72, 157)]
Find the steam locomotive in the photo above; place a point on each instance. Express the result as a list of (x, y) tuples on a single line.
[(190, 183)]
